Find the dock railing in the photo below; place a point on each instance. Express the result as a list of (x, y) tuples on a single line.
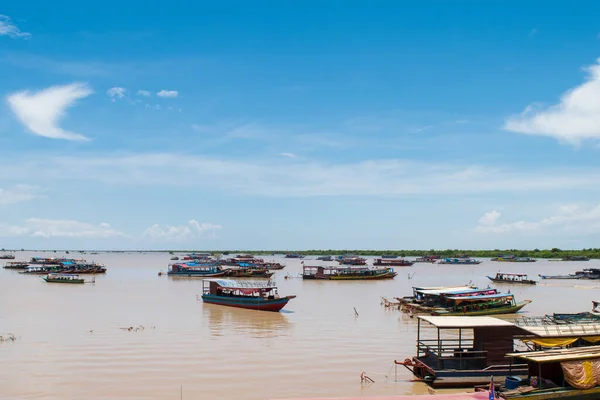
[(455, 354)]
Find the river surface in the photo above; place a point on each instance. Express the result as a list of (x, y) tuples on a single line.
[(73, 343)]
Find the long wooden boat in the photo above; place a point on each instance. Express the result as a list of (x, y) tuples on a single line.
[(513, 258), (494, 304), (346, 273), (248, 272), (428, 259), (252, 295), (587, 273), (64, 278), (460, 261), (325, 258), (196, 270), (382, 262), (16, 265), (503, 277), (352, 261), (7, 257)]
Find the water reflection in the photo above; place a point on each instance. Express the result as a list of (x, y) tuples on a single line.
[(260, 324)]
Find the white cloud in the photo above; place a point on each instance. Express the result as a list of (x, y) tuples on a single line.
[(51, 228), (116, 92), (144, 93), (7, 28), (289, 155), (575, 117), (489, 218), (272, 177), (41, 111), (571, 219), (168, 93), (177, 233), (19, 194)]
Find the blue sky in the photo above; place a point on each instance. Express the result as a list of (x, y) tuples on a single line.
[(299, 125)]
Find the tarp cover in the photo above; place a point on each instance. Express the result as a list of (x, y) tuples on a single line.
[(584, 374)]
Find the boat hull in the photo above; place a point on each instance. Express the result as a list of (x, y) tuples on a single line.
[(557, 393), (388, 275), (522, 282), (68, 281), (197, 275), (488, 311), (249, 303)]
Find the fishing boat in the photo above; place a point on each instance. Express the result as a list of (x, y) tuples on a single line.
[(428, 259), (382, 262), (344, 260), (566, 373), (294, 255), (7, 257), (460, 261), (346, 273), (463, 351), (64, 278), (494, 304), (193, 269), (575, 258), (248, 272), (253, 295), (587, 273), (40, 270), (512, 258), (325, 258), (389, 256), (503, 277), (16, 265)]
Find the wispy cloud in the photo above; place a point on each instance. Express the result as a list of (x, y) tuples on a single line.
[(7, 28), (193, 229), (19, 194), (489, 218), (575, 117), (572, 219), (264, 177), (144, 93), (116, 93), (168, 93), (40, 112), (52, 228), (289, 155)]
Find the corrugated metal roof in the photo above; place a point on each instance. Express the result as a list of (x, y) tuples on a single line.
[(464, 322), (557, 355), (566, 330)]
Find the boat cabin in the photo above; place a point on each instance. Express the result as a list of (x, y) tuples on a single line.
[(462, 351), (488, 302), (232, 288)]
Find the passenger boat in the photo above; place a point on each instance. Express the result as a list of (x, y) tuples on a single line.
[(248, 272), (429, 259), (346, 273), (389, 256), (352, 260), (503, 277), (575, 258), (16, 265), (447, 358), (294, 255), (460, 261), (64, 278), (567, 373), (382, 262), (196, 270), (512, 258), (40, 270), (253, 295), (325, 258), (7, 257)]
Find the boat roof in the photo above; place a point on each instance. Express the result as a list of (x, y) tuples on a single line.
[(563, 330), (451, 322), (510, 274), (449, 289), (483, 297), (69, 275), (233, 284), (558, 355), (440, 396)]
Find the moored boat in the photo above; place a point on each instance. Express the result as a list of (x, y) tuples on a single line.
[(345, 260), (587, 273), (325, 258), (382, 262), (16, 265), (460, 261), (7, 257), (252, 295), (512, 258), (429, 259), (575, 258), (193, 269), (503, 277), (294, 255), (241, 272), (346, 273), (64, 278)]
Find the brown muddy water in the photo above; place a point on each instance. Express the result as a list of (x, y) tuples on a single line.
[(72, 343)]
